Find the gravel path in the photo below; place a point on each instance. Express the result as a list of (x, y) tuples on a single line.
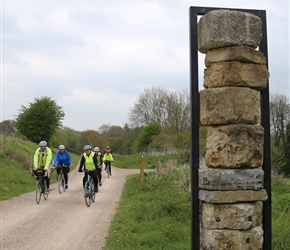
[(63, 221)]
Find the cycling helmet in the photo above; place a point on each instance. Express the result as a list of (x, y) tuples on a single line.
[(108, 147), (87, 147), (61, 147), (42, 144), (96, 149)]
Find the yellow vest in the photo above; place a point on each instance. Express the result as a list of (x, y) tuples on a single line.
[(89, 161)]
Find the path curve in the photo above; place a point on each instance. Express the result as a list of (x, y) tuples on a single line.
[(63, 221)]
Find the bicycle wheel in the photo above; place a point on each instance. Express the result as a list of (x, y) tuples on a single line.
[(93, 194), (87, 194), (59, 182), (46, 192), (38, 191), (63, 183)]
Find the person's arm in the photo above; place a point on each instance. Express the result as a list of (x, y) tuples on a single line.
[(55, 158), (95, 158), (82, 161), (111, 156), (48, 159), (35, 158), (101, 158), (69, 158)]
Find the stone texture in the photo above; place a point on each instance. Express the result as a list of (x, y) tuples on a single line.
[(234, 146), (244, 54), (231, 179), (224, 28), (237, 216), (236, 74), (229, 105), (251, 239), (232, 196)]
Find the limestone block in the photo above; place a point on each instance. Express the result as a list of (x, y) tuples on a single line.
[(237, 216), (244, 54), (231, 179), (229, 105), (232, 196), (236, 74), (224, 28), (234, 146), (251, 239)]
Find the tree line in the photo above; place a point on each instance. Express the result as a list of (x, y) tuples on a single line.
[(159, 121)]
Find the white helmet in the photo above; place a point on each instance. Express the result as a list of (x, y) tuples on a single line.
[(96, 149), (42, 144), (87, 147), (61, 147)]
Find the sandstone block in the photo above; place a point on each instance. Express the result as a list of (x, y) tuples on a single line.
[(231, 179), (232, 196), (224, 28), (229, 105), (235, 146), (236, 74), (244, 54), (237, 216), (251, 239)]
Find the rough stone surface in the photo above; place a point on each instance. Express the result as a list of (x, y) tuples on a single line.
[(244, 54), (235, 146), (232, 196), (229, 105), (236, 74), (237, 216), (224, 28), (231, 179), (251, 239)]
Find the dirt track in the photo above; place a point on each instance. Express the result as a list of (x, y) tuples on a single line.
[(63, 221)]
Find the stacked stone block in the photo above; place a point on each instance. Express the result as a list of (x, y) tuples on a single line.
[(231, 185)]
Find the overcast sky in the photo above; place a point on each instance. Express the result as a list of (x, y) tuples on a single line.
[(94, 57)]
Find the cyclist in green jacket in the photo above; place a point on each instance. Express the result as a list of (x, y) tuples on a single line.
[(100, 163), (42, 159), (107, 159), (90, 162)]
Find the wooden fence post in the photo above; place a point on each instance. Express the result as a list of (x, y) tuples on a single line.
[(142, 168)]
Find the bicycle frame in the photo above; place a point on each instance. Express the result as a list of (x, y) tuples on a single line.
[(60, 179), (41, 188), (89, 192)]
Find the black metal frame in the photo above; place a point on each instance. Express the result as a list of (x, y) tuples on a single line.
[(194, 12)]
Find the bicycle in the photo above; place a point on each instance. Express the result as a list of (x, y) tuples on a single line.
[(60, 179), (89, 189), (108, 168), (41, 188)]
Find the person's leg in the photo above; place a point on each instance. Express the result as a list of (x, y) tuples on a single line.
[(95, 179), (100, 175), (65, 171)]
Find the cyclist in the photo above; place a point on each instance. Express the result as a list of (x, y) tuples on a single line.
[(63, 157), (108, 158), (42, 159), (100, 163), (90, 162)]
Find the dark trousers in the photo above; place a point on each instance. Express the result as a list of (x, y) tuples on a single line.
[(99, 172), (108, 165), (65, 170), (94, 176)]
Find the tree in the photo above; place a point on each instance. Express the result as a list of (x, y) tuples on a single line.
[(145, 138), (7, 127), (170, 109), (40, 119), (280, 118)]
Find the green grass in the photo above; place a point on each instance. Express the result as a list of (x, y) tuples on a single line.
[(154, 214), (16, 157), (281, 214)]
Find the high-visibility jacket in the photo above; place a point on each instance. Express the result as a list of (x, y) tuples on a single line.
[(42, 159), (89, 161)]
